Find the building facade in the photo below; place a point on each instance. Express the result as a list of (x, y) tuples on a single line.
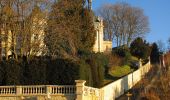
[(100, 44)]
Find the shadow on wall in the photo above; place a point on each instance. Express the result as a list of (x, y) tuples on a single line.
[(125, 84)]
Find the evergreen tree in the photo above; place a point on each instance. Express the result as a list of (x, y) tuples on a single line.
[(70, 29), (154, 53), (140, 48)]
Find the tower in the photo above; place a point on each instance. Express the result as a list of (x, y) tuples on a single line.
[(90, 4)]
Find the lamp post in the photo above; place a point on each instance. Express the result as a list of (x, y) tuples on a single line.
[(129, 95)]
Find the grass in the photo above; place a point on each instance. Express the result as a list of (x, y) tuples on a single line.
[(120, 71)]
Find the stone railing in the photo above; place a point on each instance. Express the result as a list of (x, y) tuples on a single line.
[(40, 92)]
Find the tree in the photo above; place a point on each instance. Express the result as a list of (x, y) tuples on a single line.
[(14, 18), (161, 46), (140, 48), (124, 22), (70, 29), (154, 53), (36, 24)]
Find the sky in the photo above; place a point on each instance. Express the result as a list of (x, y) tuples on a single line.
[(158, 12)]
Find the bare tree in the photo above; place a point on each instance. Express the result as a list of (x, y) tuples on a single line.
[(17, 25), (124, 22), (161, 46)]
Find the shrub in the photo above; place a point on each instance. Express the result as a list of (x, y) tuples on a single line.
[(62, 72), (2, 73), (98, 63), (12, 75), (122, 51), (140, 48), (85, 72)]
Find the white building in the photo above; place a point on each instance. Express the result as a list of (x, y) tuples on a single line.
[(100, 44)]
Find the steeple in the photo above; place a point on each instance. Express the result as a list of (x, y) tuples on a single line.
[(90, 4)]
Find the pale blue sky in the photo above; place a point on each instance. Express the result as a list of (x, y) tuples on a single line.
[(158, 12)]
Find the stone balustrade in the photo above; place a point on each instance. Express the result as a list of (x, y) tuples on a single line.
[(7, 90), (37, 90)]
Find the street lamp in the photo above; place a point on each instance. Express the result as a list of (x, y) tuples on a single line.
[(129, 95)]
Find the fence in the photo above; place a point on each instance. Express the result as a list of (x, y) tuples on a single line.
[(71, 92)]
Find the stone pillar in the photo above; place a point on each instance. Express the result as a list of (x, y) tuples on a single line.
[(80, 89), (140, 63), (18, 90), (48, 92)]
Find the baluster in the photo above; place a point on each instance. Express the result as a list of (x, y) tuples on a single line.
[(53, 91), (37, 90), (29, 90), (69, 88), (63, 90), (5, 90), (9, 90)]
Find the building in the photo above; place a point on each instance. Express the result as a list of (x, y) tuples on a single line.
[(100, 44)]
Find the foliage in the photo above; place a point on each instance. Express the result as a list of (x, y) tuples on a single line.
[(85, 72), (98, 65), (114, 60), (70, 29), (121, 51), (12, 72), (17, 25), (45, 70), (124, 53), (154, 53), (62, 71), (140, 48)]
